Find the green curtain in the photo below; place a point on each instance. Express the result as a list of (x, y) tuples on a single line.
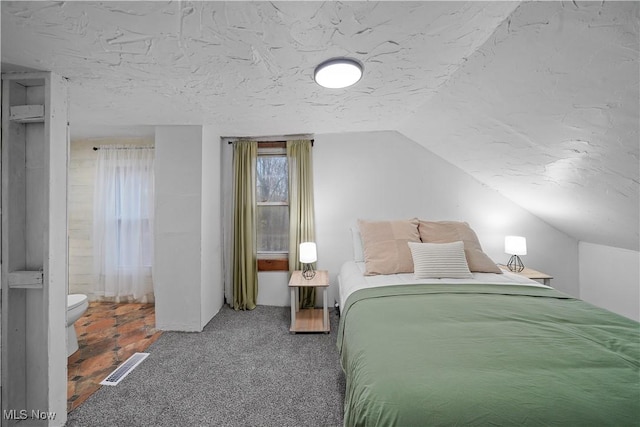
[(301, 209), (245, 264)]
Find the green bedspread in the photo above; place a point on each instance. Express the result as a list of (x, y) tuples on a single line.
[(426, 355)]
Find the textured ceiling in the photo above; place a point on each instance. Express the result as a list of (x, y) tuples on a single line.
[(547, 112), (537, 100), (245, 66)]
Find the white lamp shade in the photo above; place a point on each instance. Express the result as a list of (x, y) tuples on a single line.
[(515, 245), (338, 73), (308, 252)]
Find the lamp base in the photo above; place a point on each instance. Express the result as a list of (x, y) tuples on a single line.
[(308, 272), (515, 264)]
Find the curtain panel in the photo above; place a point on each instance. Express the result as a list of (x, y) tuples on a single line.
[(123, 223), (244, 257), (301, 209)]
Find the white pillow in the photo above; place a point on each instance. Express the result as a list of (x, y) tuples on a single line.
[(356, 238), (438, 260)]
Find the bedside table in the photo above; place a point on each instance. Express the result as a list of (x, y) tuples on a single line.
[(309, 319), (530, 273)]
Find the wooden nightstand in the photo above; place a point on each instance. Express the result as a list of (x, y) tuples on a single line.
[(309, 319), (530, 273)]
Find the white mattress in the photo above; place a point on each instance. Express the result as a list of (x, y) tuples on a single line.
[(352, 278)]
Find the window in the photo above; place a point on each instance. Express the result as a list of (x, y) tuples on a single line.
[(133, 204), (272, 210), (122, 222)]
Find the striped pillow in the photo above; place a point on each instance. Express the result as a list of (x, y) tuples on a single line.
[(437, 260)]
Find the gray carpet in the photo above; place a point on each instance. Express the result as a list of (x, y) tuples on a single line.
[(244, 369)]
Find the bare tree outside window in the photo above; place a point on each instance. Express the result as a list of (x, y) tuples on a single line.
[(272, 195)]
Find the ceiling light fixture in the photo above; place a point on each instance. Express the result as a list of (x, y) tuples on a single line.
[(338, 73)]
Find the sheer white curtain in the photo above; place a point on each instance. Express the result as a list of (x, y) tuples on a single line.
[(123, 223)]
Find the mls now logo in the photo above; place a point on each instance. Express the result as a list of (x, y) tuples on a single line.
[(23, 414)]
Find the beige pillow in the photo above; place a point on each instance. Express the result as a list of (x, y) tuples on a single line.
[(439, 260), (385, 244), (452, 231)]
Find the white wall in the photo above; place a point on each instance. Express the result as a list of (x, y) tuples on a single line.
[(188, 293), (273, 288), (212, 291), (610, 278), (177, 268), (384, 175), (57, 251)]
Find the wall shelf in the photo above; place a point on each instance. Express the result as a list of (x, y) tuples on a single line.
[(34, 243), (25, 279), (26, 113)]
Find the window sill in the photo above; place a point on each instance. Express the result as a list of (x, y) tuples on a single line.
[(273, 264)]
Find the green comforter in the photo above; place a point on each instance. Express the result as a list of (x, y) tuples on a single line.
[(426, 355)]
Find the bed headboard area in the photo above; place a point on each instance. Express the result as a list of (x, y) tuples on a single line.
[(384, 245)]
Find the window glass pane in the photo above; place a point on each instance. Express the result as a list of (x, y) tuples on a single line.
[(272, 179), (273, 228), (133, 230)]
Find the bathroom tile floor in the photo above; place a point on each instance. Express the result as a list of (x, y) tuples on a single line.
[(108, 334)]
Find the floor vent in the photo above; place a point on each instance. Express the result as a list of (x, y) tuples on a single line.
[(123, 370)]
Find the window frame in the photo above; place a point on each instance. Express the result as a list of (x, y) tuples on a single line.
[(273, 261)]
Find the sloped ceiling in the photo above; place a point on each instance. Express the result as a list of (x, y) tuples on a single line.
[(537, 100), (547, 113)]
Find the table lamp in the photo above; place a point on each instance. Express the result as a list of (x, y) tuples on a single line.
[(514, 246), (308, 255)]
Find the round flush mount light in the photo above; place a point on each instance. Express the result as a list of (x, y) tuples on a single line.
[(338, 73)]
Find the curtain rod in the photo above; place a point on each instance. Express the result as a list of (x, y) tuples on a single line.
[(232, 141), (149, 147)]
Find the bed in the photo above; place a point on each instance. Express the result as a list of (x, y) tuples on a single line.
[(486, 349)]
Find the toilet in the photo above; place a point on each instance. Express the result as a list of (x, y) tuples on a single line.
[(77, 304)]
